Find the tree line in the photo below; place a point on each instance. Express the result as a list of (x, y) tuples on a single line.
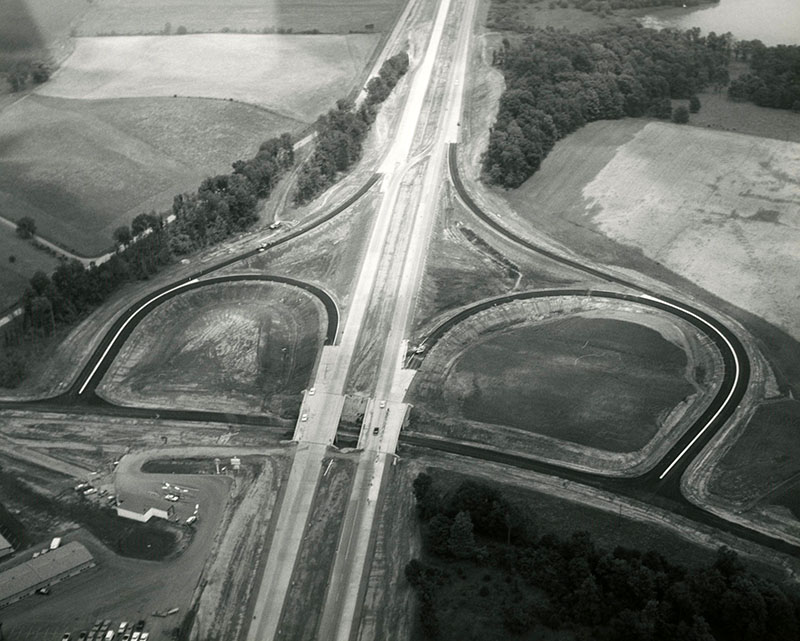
[(571, 583), (774, 76), (223, 205), (341, 132), (557, 81)]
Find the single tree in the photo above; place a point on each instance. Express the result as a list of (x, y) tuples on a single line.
[(462, 540), (26, 227), (680, 115), (694, 104), (122, 235)]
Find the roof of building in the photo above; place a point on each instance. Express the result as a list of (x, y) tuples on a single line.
[(25, 576)]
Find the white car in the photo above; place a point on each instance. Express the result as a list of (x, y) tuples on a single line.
[(145, 636), (304, 417), (172, 497), (122, 627), (383, 404)]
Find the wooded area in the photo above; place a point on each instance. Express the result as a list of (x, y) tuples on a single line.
[(534, 580), (558, 81), (774, 76)]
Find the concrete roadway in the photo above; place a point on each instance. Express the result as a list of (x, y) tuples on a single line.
[(321, 407), (384, 415)]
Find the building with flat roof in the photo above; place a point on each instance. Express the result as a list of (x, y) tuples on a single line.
[(142, 509), (46, 569)]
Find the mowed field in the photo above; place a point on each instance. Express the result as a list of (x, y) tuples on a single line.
[(721, 209), (230, 346), (598, 382), (150, 16), (82, 168), (297, 76)]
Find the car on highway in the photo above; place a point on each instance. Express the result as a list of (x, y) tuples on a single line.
[(304, 417), (376, 430), (276, 224), (261, 247), (91, 490), (311, 391), (382, 404)]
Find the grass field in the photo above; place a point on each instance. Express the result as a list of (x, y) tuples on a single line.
[(150, 16), (721, 209), (764, 461), (297, 76), (598, 382), (14, 275), (81, 168), (242, 346)]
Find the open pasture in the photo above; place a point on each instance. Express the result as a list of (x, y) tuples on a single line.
[(228, 346), (82, 168), (150, 16), (721, 209), (599, 382), (296, 76)]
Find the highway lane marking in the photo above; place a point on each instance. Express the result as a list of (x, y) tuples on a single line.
[(125, 324), (730, 394)]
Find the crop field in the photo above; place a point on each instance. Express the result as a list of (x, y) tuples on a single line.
[(232, 346), (151, 16), (81, 168), (599, 382), (720, 209), (257, 69), (27, 259)]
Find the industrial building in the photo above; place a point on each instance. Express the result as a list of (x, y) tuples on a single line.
[(142, 509), (46, 569)]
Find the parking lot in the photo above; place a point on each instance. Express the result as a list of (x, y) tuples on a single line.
[(97, 630), (124, 589)]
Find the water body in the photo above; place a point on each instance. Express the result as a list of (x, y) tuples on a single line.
[(771, 21)]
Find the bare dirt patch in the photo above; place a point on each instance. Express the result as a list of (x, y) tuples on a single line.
[(720, 209), (218, 66), (234, 346)]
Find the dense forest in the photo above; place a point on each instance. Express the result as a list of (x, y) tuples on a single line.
[(556, 82), (774, 76), (222, 206), (529, 581), (341, 132)]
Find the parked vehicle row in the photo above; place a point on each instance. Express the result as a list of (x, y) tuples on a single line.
[(104, 630)]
